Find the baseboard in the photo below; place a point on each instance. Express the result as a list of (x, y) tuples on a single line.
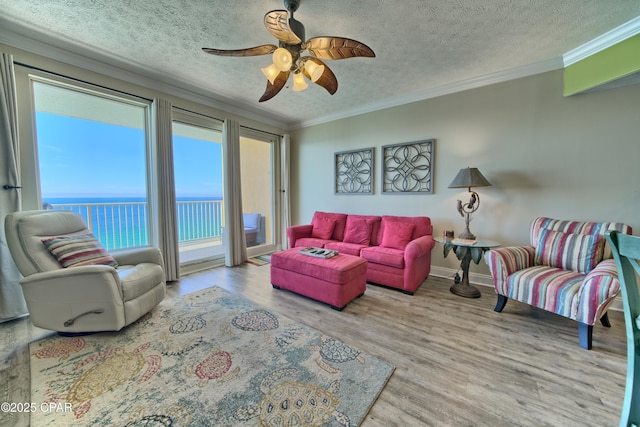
[(486, 280), (474, 278)]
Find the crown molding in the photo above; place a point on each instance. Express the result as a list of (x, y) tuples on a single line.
[(608, 39), (74, 54), (460, 86)]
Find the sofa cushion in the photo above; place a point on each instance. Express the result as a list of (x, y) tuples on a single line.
[(311, 242), (384, 256), (78, 250), (322, 228), (358, 230), (341, 221), (574, 252), (422, 224), (345, 248), (577, 227), (396, 235)]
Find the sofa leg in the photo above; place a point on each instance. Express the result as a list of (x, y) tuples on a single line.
[(585, 333), (502, 301), (605, 320)]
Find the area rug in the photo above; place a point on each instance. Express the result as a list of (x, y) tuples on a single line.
[(260, 260), (211, 358)]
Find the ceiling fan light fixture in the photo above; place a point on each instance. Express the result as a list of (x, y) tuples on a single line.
[(315, 70), (282, 59), (288, 55), (271, 72), (298, 82)]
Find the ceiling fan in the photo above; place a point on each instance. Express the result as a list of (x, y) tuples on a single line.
[(288, 55)]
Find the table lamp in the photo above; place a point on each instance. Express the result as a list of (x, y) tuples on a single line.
[(469, 177)]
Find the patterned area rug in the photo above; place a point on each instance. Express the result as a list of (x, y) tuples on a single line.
[(260, 260), (208, 358)]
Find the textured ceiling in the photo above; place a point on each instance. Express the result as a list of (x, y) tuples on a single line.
[(420, 45)]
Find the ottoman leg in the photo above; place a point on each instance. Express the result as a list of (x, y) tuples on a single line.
[(275, 286)]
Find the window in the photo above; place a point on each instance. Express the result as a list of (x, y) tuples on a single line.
[(92, 157)]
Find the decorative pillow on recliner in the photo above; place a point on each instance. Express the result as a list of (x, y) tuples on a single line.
[(396, 235), (358, 231), (322, 228), (78, 250), (568, 251)]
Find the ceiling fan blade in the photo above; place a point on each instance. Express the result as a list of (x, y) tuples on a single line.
[(327, 80), (264, 49), (277, 22), (273, 89), (337, 48)]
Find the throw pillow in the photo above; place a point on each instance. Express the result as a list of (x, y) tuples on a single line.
[(323, 228), (396, 235), (568, 251), (358, 231), (78, 250)]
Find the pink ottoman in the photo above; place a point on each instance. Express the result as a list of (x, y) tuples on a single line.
[(335, 281)]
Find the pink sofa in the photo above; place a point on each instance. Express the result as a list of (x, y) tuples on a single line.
[(397, 248)]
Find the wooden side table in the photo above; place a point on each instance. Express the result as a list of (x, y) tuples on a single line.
[(466, 252)]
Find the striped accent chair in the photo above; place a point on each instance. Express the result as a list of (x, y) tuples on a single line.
[(567, 269)]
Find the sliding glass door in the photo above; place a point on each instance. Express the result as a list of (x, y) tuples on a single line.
[(198, 170), (257, 175)]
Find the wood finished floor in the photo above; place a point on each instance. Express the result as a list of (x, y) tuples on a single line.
[(458, 363)]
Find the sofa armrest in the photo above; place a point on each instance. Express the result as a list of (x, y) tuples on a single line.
[(136, 256), (417, 262), (298, 232), (419, 247), (505, 261), (598, 290)]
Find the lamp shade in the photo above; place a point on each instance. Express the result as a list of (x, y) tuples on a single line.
[(315, 70), (282, 59), (298, 82), (271, 72), (469, 177)]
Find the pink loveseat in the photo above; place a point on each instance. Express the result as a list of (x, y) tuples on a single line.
[(397, 248)]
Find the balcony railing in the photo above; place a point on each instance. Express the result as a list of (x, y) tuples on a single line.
[(122, 225)]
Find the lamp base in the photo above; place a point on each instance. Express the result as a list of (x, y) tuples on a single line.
[(467, 235)]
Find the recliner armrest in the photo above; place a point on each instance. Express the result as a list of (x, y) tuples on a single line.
[(505, 261), (136, 256), (92, 276), (55, 297)]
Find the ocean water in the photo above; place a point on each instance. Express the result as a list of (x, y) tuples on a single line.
[(123, 222)]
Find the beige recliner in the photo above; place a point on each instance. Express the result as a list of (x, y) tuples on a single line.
[(86, 298)]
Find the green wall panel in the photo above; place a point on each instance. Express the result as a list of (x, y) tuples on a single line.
[(607, 65)]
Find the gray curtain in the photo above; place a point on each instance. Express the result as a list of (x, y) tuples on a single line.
[(235, 240), (285, 143), (166, 190), (12, 303)]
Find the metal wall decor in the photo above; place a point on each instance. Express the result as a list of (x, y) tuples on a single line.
[(354, 172), (408, 168)]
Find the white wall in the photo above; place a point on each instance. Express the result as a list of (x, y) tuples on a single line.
[(567, 158)]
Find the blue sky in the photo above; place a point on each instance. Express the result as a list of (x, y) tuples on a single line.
[(82, 158)]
